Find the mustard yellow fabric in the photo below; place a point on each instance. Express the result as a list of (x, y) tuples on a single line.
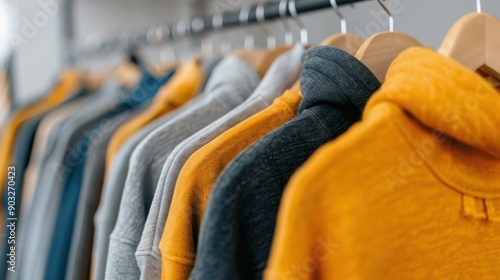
[(410, 192), (198, 176), (183, 86), (68, 84)]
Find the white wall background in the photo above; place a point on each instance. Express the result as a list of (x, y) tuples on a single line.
[(39, 58)]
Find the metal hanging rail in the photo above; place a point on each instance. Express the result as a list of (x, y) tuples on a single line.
[(197, 26)]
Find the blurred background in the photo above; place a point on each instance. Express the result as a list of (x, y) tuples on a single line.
[(38, 37)]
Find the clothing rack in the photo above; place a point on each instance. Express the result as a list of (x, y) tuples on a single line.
[(247, 15)]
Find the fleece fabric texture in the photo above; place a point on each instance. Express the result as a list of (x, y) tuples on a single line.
[(109, 205), (230, 84), (283, 72), (42, 216), (212, 158), (116, 174), (48, 125), (79, 255), (21, 156), (75, 159), (184, 85), (65, 88), (411, 192), (243, 205)]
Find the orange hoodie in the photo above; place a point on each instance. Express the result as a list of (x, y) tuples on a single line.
[(183, 86), (410, 192), (198, 176)]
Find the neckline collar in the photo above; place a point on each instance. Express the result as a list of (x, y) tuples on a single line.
[(334, 77), (232, 71), (453, 108)]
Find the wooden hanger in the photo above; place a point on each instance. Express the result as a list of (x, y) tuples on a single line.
[(94, 80), (259, 59), (166, 66), (156, 34), (347, 42), (379, 50), (162, 68), (127, 74), (474, 41)]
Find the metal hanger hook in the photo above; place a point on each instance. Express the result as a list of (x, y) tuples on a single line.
[(249, 40), (292, 7), (207, 46), (181, 28), (217, 21), (218, 24), (152, 36), (478, 6), (391, 18), (168, 52), (158, 33), (260, 16), (283, 8), (343, 22), (197, 25)]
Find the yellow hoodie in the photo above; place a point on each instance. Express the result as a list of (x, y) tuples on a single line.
[(410, 192), (198, 176)]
